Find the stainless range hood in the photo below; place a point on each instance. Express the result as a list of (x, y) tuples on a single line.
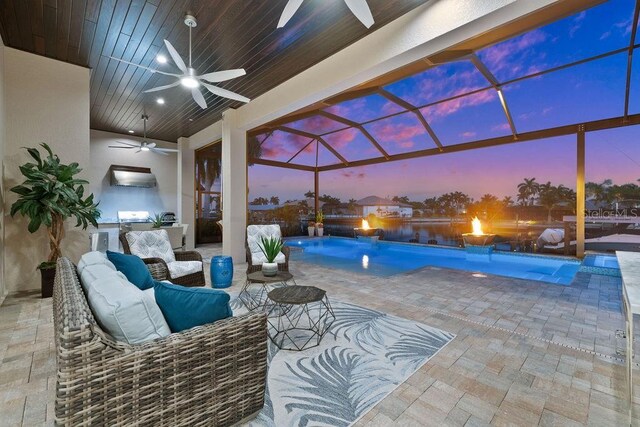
[(131, 176)]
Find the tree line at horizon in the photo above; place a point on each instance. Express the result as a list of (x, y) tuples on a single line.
[(530, 193)]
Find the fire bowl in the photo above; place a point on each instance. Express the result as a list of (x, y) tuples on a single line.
[(478, 239), (367, 232)]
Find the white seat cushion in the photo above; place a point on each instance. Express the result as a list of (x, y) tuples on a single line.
[(151, 244), (182, 268), (255, 233)]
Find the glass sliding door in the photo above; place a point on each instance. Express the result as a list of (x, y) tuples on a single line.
[(208, 182)]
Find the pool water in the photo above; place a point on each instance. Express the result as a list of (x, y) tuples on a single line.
[(389, 258)]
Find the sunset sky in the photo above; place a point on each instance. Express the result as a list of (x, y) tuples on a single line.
[(594, 90)]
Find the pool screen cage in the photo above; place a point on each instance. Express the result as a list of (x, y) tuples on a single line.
[(568, 77)]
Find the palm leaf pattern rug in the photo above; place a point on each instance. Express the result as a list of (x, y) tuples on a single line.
[(363, 357)]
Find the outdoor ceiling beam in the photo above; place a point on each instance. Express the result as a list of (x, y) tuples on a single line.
[(592, 126), (320, 140), (412, 108), (496, 85), (278, 164), (300, 151), (265, 138), (359, 127), (348, 96), (627, 89)]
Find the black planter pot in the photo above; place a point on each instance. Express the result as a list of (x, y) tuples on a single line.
[(47, 275)]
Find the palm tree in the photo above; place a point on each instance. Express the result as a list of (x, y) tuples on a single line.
[(507, 201), (274, 200), (549, 196), (529, 188)]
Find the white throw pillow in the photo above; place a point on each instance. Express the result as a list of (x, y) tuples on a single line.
[(151, 244), (124, 311), (94, 258)]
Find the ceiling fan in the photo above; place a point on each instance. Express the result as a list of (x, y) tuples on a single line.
[(360, 9), (144, 145), (190, 77)]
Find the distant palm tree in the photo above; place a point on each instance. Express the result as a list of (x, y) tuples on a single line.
[(549, 196), (529, 188), (507, 201)]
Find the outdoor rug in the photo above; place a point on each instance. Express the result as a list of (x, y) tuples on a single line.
[(363, 357)]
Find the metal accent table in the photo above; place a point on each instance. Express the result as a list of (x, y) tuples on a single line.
[(298, 316), (254, 292)]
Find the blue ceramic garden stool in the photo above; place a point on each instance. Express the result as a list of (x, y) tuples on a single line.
[(221, 271)]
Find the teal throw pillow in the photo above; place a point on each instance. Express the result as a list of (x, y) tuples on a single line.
[(133, 268), (184, 308)]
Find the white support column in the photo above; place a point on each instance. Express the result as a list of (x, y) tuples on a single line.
[(580, 195), (234, 187), (186, 200)]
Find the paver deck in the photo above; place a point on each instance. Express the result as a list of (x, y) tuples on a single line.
[(526, 353)]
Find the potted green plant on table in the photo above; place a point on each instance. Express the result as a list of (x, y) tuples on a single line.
[(319, 224), (49, 196), (270, 247), (156, 220)]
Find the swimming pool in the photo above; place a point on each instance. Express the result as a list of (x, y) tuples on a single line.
[(389, 258)]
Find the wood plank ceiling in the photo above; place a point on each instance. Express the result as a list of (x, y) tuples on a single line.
[(230, 34)]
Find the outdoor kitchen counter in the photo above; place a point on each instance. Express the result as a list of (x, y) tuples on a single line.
[(629, 263)]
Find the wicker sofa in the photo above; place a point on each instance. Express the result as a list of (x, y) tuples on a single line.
[(209, 375)]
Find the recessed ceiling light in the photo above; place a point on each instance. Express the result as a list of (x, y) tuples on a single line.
[(160, 101), (161, 59), (130, 131), (190, 120)]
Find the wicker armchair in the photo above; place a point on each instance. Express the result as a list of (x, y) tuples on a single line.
[(160, 271), (257, 231), (209, 375)]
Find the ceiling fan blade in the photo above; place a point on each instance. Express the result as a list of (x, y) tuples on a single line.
[(221, 76), (158, 151), (166, 150), (197, 96), (175, 56), (289, 10), (116, 146), (225, 93), (157, 88), (145, 68), (138, 150), (132, 144), (361, 10)]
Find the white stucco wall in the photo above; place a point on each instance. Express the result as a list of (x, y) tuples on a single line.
[(45, 101), (112, 199), (3, 290)]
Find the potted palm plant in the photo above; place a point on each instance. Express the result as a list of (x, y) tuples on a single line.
[(49, 196), (319, 224), (156, 220), (270, 247)]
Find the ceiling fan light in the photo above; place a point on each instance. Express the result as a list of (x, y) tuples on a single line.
[(161, 59), (160, 101), (144, 148), (189, 82)]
